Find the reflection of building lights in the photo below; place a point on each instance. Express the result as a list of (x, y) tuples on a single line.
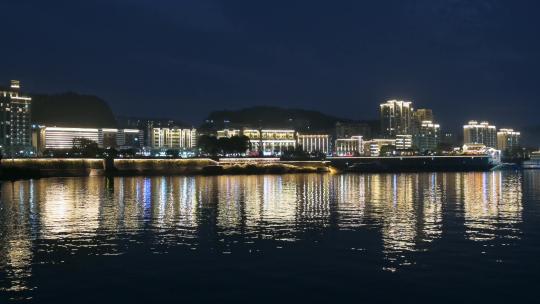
[(406, 209), (489, 204)]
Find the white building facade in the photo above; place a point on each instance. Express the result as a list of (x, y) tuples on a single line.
[(480, 133), (352, 146), (508, 139), (314, 143), (173, 138)]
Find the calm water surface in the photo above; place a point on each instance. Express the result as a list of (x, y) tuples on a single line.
[(445, 237)]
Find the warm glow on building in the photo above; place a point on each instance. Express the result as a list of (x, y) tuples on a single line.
[(174, 138), (63, 137), (15, 124), (508, 139), (373, 147), (228, 133), (428, 136), (404, 142), (314, 142), (271, 141), (349, 146), (396, 116), (480, 133)]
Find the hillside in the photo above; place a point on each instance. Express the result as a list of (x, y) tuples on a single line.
[(274, 117), (71, 110)]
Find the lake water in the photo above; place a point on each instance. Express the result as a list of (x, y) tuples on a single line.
[(427, 237)]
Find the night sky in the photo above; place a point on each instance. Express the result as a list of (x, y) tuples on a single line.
[(181, 59)]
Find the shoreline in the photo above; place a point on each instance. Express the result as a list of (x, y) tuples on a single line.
[(13, 169)]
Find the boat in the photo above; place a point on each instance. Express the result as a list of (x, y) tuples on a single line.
[(534, 162)]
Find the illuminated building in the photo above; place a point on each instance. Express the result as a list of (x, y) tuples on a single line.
[(130, 138), (228, 133), (396, 116), (271, 142), (428, 136), (418, 116), (474, 149), (349, 146), (508, 139), (15, 126), (480, 133), (120, 138), (423, 115), (146, 125), (373, 147), (314, 142), (63, 138), (174, 138), (107, 137), (404, 142)]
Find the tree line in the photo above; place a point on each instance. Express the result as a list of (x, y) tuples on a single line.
[(235, 145)]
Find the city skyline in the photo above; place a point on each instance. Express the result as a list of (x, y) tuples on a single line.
[(473, 55), (286, 151), (403, 130), (452, 126)]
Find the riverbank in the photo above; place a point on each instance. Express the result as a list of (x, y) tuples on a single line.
[(65, 167)]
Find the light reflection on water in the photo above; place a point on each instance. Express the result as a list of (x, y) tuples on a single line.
[(406, 213)]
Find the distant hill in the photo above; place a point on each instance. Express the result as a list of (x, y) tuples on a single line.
[(72, 110), (274, 117)]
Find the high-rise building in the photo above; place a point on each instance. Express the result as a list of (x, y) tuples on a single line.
[(15, 125), (174, 138), (508, 139), (314, 143), (396, 117), (418, 116), (428, 136), (423, 115), (480, 133)]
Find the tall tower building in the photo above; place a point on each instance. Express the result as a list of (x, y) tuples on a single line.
[(396, 117), (15, 125), (480, 133), (418, 117), (508, 139), (423, 115), (428, 136)]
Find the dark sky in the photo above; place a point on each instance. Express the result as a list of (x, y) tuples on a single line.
[(182, 58)]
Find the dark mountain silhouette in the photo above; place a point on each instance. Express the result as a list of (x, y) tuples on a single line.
[(273, 117), (72, 110)]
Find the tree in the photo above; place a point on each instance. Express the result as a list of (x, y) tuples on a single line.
[(444, 147), (387, 150), (172, 152), (85, 147), (208, 144), (240, 144)]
